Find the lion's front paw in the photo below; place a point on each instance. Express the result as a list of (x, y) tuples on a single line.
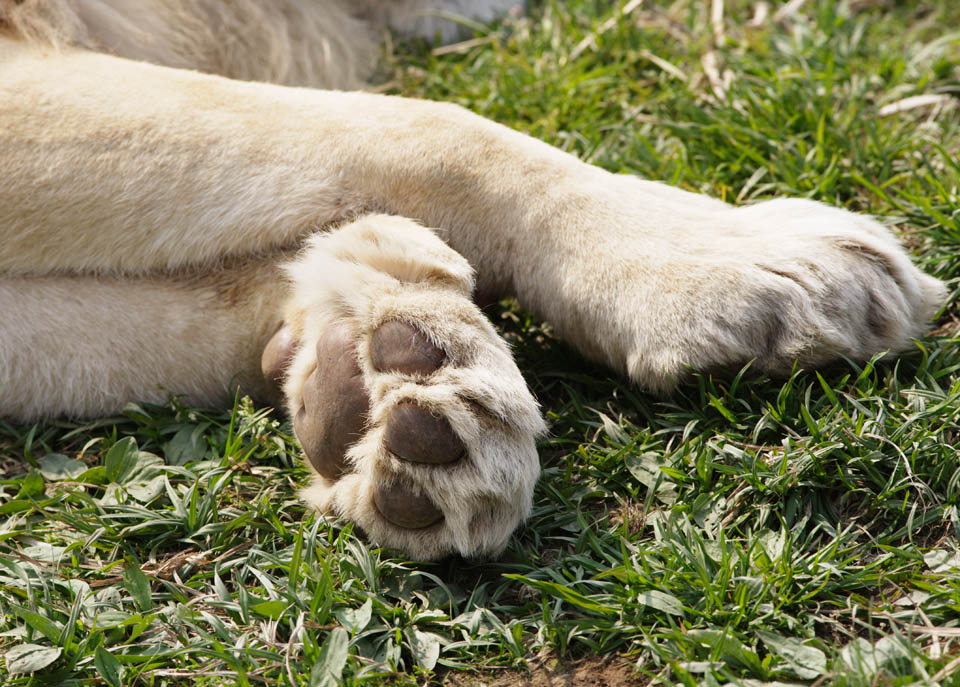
[(408, 406), (783, 282), (690, 283)]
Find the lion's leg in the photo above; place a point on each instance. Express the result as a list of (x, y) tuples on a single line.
[(407, 403), (85, 346), (108, 165)]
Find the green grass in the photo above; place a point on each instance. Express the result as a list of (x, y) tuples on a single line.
[(744, 531)]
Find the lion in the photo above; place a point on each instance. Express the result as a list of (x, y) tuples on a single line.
[(195, 196)]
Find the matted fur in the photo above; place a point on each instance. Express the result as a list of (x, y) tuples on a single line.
[(147, 213)]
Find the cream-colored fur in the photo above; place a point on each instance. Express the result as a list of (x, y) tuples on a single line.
[(146, 210)]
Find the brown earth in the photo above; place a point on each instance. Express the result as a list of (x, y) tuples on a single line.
[(589, 672)]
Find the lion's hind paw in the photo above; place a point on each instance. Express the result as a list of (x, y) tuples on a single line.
[(409, 407)]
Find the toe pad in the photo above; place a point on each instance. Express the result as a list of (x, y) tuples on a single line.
[(418, 436), (400, 347), (335, 404), (404, 507)]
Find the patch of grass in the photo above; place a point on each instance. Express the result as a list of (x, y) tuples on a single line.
[(744, 531)]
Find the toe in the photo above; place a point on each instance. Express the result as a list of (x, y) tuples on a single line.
[(416, 435), (404, 507), (277, 355), (335, 404), (400, 347)]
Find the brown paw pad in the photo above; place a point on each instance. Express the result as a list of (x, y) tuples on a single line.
[(404, 507), (416, 435), (400, 347), (276, 357), (335, 404)]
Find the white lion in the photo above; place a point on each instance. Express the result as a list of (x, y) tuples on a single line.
[(164, 230)]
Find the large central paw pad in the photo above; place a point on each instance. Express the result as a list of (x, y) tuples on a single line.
[(335, 404), (408, 406)]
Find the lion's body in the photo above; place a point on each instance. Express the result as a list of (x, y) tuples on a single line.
[(146, 210)]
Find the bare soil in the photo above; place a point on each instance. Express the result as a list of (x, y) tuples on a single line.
[(588, 672)]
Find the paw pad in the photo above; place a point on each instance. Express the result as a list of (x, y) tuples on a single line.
[(276, 357), (335, 403), (336, 406), (400, 347), (417, 436), (404, 507)]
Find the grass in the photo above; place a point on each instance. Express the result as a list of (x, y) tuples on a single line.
[(744, 531)]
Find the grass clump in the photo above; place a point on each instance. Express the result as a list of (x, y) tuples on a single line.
[(744, 531)]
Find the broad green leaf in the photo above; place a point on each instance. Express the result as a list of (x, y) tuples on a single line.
[(708, 510), (121, 459), (16, 506), (270, 609), (145, 491), (113, 495), (802, 661), (109, 667), (188, 444), (567, 594), (138, 585), (147, 467), (30, 485), (615, 432), (426, 648), (942, 560), (132, 472), (355, 620), (773, 543), (95, 475), (220, 588), (50, 629), (134, 410), (29, 658), (661, 601), (872, 658), (645, 467), (648, 468), (328, 669), (113, 617), (55, 467), (727, 647)]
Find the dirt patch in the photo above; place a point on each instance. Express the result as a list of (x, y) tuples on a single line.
[(589, 672)]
